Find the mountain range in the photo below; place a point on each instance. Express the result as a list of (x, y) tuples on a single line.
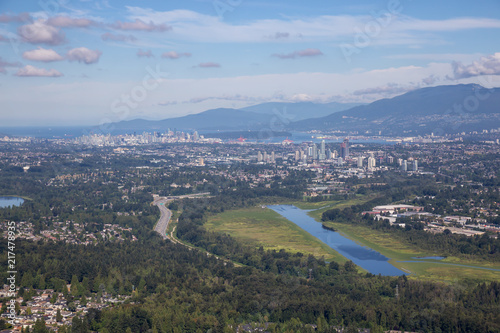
[(438, 110)]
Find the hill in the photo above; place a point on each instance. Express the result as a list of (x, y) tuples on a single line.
[(438, 110), (301, 110), (215, 119)]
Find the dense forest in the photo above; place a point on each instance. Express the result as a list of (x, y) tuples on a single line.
[(181, 290), (176, 289)]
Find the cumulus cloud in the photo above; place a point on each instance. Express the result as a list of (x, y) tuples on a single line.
[(41, 54), (83, 54), (489, 65), (175, 55), (40, 32), (68, 22), (208, 65), (300, 54), (431, 79), (147, 54), (4, 64), (302, 98), (29, 70), (23, 17), (140, 25), (117, 37)]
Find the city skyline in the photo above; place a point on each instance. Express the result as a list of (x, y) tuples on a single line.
[(91, 62)]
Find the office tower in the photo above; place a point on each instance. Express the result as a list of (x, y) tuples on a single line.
[(322, 151), (390, 159), (360, 161), (314, 152), (414, 165), (297, 155), (344, 148), (404, 166), (371, 162)]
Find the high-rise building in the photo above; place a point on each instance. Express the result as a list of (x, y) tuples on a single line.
[(414, 166), (344, 149), (390, 159), (309, 151), (259, 157), (371, 162), (297, 155), (322, 151), (360, 161), (404, 166), (314, 152), (265, 156)]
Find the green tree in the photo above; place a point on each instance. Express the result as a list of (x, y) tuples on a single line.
[(40, 327)]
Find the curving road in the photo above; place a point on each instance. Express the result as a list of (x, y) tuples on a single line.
[(165, 215)]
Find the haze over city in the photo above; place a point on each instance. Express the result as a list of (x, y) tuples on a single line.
[(90, 62)]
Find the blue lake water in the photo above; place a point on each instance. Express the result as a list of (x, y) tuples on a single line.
[(10, 201), (371, 260)]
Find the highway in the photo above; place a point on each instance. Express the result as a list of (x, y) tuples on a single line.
[(165, 215)]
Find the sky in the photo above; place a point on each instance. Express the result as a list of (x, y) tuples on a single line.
[(85, 62)]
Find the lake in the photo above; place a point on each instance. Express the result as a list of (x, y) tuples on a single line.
[(371, 260), (10, 201)]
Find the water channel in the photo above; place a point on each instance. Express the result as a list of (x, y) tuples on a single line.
[(371, 260)]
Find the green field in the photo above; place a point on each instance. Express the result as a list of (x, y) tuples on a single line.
[(397, 250), (263, 227)]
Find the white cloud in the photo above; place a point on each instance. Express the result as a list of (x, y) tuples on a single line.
[(300, 54), (68, 22), (40, 32), (436, 56), (401, 30), (140, 25), (41, 54), (390, 89), (147, 54), (208, 65), (83, 54), (6, 18), (29, 70), (5, 64), (117, 37), (175, 55), (489, 65)]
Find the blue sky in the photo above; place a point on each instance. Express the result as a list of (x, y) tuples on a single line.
[(75, 62)]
